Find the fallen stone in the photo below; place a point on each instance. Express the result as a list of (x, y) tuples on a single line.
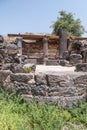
[(39, 90), (4, 74), (41, 79), (81, 67), (21, 77), (11, 49), (6, 66), (75, 58), (17, 68)]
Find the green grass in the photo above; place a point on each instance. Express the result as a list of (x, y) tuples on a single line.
[(16, 114)]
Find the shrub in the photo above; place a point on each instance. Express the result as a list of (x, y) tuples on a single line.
[(27, 69), (16, 114)]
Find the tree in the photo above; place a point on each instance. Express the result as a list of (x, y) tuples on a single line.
[(67, 20)]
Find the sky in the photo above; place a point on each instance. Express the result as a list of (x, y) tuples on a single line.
[(36, 16)]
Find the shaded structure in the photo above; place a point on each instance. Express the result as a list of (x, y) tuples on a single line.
[(39, 47), (47, 47)]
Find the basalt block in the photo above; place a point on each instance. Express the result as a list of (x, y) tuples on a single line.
[(21, 77), (81, 67), (4, 74)]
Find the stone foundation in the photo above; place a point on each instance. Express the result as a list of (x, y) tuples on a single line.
[(62, 88)]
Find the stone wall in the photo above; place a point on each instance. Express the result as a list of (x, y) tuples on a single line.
[(63, 89), (8, 53), (35, 50)]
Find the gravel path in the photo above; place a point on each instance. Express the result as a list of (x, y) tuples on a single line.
[(54, 69)]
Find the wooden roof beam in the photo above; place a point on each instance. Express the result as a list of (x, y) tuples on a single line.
[(78, 38), (34, 36)]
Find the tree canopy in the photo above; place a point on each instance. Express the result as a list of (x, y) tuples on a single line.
[(67, 20)]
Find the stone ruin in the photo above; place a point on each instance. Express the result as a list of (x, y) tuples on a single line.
[(63, 88), (77, 55)]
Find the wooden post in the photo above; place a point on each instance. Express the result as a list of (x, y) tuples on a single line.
[(19, 44), (62, 33), (45, 48)]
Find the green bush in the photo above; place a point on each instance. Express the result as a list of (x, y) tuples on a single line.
[(16, 114), (27, 69)]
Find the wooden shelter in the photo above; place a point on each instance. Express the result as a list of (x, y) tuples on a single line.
[(44, 47), (40, 47)]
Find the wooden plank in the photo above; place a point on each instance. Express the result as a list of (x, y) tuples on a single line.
[(34, 36), (78, 38), (40, 37)]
